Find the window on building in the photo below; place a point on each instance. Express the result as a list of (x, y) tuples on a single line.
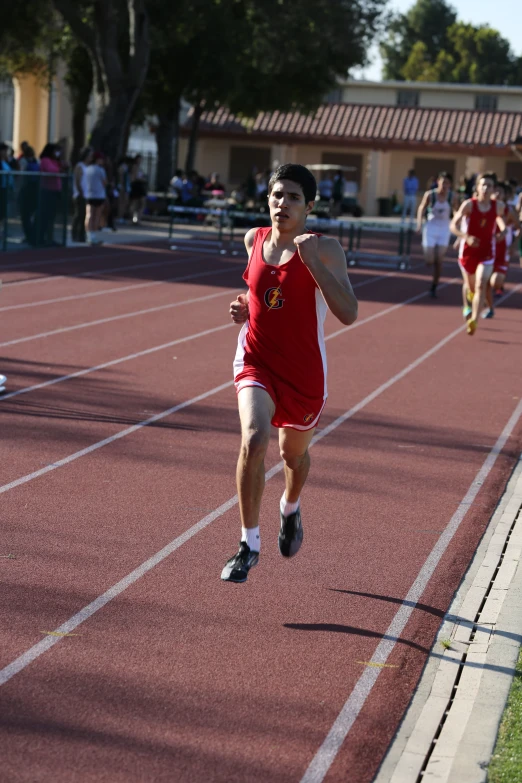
[(243, 160), (334, 96), (487, 102), (408, 97)]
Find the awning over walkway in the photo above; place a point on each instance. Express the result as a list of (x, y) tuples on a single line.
[(379, 127)]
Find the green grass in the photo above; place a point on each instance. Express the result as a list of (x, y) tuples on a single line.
[(506, 764)]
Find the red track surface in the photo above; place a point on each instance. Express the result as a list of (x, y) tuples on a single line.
[(181, 677)]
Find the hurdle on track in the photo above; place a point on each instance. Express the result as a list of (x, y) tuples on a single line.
[(216, 231)]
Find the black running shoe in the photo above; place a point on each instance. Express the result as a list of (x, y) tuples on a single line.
[(290, 534), (236, 569), (433, 291)]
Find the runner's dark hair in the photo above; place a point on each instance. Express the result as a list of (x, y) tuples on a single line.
[(298, 174), (444, 175)]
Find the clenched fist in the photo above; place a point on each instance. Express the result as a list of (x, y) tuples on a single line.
[(308, 248), (239, 309)]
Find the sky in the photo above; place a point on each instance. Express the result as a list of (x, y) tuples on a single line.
[(503, 16)]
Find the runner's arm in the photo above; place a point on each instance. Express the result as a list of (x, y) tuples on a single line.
[(501, 223), (513, 219), (239, 307), (326, 262), (249, 240), (422, 207), (463, 211)]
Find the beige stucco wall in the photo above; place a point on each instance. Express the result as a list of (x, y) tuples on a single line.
[(510, 102), (31, 106), (384, 96), (401, 162), (382, 174)]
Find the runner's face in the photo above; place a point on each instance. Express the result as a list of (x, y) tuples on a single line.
[(500, 194), (288, 208), (485, 187), (444, 185)]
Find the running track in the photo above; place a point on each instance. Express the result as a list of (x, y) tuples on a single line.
[(119, 531)]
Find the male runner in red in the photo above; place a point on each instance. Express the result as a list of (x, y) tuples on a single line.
[(293, 277), (503, 244), (475, 224)]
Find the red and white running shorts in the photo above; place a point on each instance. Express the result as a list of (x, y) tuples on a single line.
[(291, 409)]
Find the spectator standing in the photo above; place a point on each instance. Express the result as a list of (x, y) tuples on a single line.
[(23, 147), (28, 194), (95, 192), (6, 180), (138, 189), (187, 187), (214, 185), (50, 192), (410, 188), (79, 202)]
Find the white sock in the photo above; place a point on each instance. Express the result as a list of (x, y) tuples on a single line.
[(288, 508), (251, 536)]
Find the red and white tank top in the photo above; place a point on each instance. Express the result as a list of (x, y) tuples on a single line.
[(285, 330), (481, 225)]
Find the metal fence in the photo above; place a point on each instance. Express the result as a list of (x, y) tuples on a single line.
[(217, 230), (34, 209)]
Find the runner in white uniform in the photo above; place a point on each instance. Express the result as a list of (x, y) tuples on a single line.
[(437, 205)]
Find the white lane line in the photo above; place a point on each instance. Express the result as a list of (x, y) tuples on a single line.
[(106, 291), (123, 358), (147, 351), (71, 259), (125, 315), (326, 754), (133, 286), (106, 271), (70, 625)]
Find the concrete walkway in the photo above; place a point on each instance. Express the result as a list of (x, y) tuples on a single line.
[(449, 731)]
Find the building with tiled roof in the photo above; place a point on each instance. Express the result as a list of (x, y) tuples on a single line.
[(382, 129)]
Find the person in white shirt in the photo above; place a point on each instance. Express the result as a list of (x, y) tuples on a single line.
[(95, 195), (437, 205), (79, 202)]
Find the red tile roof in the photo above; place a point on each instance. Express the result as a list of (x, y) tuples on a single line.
[(383, 127)]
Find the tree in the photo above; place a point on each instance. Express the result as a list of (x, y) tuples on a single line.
[(429, 44), (116, 35), (481, 55), (426, 22), (79, 80), (243, 54)]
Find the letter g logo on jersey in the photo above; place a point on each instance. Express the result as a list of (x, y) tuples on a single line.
[(274, 298)]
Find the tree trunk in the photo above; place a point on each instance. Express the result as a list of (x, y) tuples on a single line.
[(166, 140), (193, 138), (111, 130), (119, 75), (79, 112)]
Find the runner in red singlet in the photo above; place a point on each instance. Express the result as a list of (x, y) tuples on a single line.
[(293, 277), (503, 245), (475, 223)]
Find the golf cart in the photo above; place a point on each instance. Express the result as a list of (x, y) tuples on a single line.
[(329, 201)]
